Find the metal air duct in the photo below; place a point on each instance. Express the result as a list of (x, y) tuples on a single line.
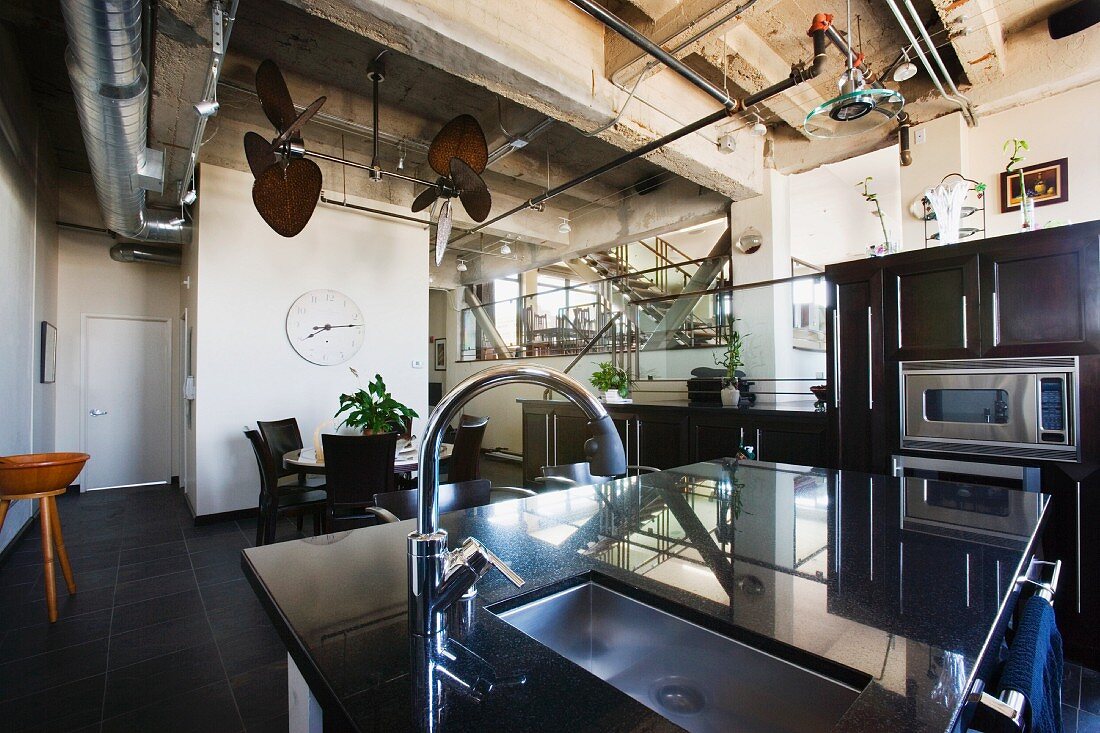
[(147, 254), (111, 88)]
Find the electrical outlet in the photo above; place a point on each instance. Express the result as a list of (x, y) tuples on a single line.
[(417, 364), (921, 137)]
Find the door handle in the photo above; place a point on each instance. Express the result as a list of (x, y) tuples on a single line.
[(97, 413), (870, 360), (964, 321)]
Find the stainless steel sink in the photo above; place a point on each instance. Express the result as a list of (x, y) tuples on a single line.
[(700, 680)]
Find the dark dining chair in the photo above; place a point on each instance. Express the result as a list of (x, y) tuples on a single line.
[(357, 467), (398, 505), (465, 461), (283, 436), (570, 475), (277, 499)]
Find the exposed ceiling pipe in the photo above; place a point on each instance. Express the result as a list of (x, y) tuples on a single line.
[(969, 113), (964, 104), (147, 254), (904, 151), (799, 74), (111, 90)]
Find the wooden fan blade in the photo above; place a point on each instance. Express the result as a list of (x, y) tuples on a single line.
[(259, 153), (460, 138), (286, 195), (274, 96), (442, 231), (472, 191), (296, 125), (425, 198)]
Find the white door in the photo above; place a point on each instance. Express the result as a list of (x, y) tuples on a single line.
[(126, 401)]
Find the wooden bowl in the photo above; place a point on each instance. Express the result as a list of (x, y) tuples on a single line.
[(35, 473)]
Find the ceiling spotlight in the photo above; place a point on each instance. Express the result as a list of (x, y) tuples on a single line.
[(401, 155), (190, 197), (176, 222), (505, 249), (207, 108), (759, 129), (564, 227), (461, 266), (906, 70)]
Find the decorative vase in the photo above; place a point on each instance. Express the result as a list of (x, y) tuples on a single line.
[(1027, 213), (318, 446), (731, 396), (947, 200)]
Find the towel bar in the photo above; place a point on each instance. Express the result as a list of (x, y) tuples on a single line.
[(1010, 707)]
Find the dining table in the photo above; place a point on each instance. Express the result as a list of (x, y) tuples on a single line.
[(405, 461)]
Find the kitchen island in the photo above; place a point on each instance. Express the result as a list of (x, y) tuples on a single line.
[(892, 590)]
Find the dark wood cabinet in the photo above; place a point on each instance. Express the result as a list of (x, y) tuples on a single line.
[(715, 436), (791, 442), (661, 440), (931, 309), (1042, 299), (536, 441)]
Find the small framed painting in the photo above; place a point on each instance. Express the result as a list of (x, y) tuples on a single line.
[(440, 346), (49, 353), (1047, 183)]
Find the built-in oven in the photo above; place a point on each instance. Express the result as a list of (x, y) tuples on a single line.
[(1018, 408)]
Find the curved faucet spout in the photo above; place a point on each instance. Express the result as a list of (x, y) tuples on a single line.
[(604, 449)]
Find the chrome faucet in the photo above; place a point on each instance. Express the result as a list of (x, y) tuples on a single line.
[(438, 577)]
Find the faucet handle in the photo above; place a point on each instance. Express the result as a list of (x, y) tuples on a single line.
[(502, 566)]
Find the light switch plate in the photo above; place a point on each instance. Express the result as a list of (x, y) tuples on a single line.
[(921, 137), (417, 364)]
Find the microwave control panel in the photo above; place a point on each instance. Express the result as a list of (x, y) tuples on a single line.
[(1054, 419)]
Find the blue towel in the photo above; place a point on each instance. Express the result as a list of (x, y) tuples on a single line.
[(1034, 666)]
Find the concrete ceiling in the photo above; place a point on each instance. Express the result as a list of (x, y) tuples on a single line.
[(514, 64)]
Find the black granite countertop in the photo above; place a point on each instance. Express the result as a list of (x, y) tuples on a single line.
[(798, 407), (894, 587)]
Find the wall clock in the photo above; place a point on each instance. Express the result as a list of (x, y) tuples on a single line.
[(325, 327)]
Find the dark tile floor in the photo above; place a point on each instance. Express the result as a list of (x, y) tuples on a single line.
[(165, 634)]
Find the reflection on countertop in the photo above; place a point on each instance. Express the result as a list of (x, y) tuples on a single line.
[(760, 408), (868, 579)]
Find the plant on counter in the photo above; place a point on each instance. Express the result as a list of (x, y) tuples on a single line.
[(609, 377), (732, 343), (373, 410), (1027, 205), (886, 247)]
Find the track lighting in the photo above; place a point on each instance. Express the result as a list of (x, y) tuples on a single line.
[(401, 155), (759, 129), (564, 227), (176, 222), (505, 249), (906, 70), (190, 197), (461, 266), (207, 108)]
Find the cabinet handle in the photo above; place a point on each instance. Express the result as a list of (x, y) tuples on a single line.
[(996, 318), (555, 438), (964, 322), (836, 351), (870, 362), (547, 434), (1078, 547), (638, 432), (759, 449), (626, 443)]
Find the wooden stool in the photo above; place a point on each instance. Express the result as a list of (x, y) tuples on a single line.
[(43, 476)]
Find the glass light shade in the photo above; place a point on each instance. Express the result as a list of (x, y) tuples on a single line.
[(854, 113)]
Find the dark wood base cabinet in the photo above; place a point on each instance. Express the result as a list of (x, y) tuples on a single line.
[(667, 436)]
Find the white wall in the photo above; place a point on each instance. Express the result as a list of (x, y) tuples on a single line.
[(90, 282), (28, 275), (247, 277)]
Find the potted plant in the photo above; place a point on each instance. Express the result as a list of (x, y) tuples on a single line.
[(1027, 204), (373, 410), (612, 381), (886, 247), (732, 343)]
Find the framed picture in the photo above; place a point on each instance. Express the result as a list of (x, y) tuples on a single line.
[(49, 353), (1047, 183), (440, 354)]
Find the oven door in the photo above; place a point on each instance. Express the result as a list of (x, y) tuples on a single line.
[(987, 407)]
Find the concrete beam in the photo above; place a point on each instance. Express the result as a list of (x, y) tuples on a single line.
[(981, 52), (552, 61)]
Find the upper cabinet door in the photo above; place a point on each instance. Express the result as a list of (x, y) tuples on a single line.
[(1042, 296), (932, 309)]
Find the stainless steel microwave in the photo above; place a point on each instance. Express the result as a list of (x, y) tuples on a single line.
[(1019, 408)]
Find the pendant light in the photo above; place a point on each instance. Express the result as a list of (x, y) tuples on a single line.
[(564, 227), (905, 70), (859, 107)]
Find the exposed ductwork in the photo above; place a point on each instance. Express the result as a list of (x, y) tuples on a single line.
[(111, 89), (147, 254)]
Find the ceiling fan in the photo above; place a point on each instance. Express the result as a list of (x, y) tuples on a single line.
[(459, 154), (288, 184)]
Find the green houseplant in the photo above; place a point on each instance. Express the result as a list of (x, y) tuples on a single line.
[(732, 343), (373, 410), (609, 379), (1027, 205), (887, 247)]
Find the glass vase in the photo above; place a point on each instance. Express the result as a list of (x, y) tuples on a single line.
[(1027, 213)]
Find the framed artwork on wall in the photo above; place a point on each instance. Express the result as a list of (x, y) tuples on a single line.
[(440, 346), (1047, 183), (48, 374)]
